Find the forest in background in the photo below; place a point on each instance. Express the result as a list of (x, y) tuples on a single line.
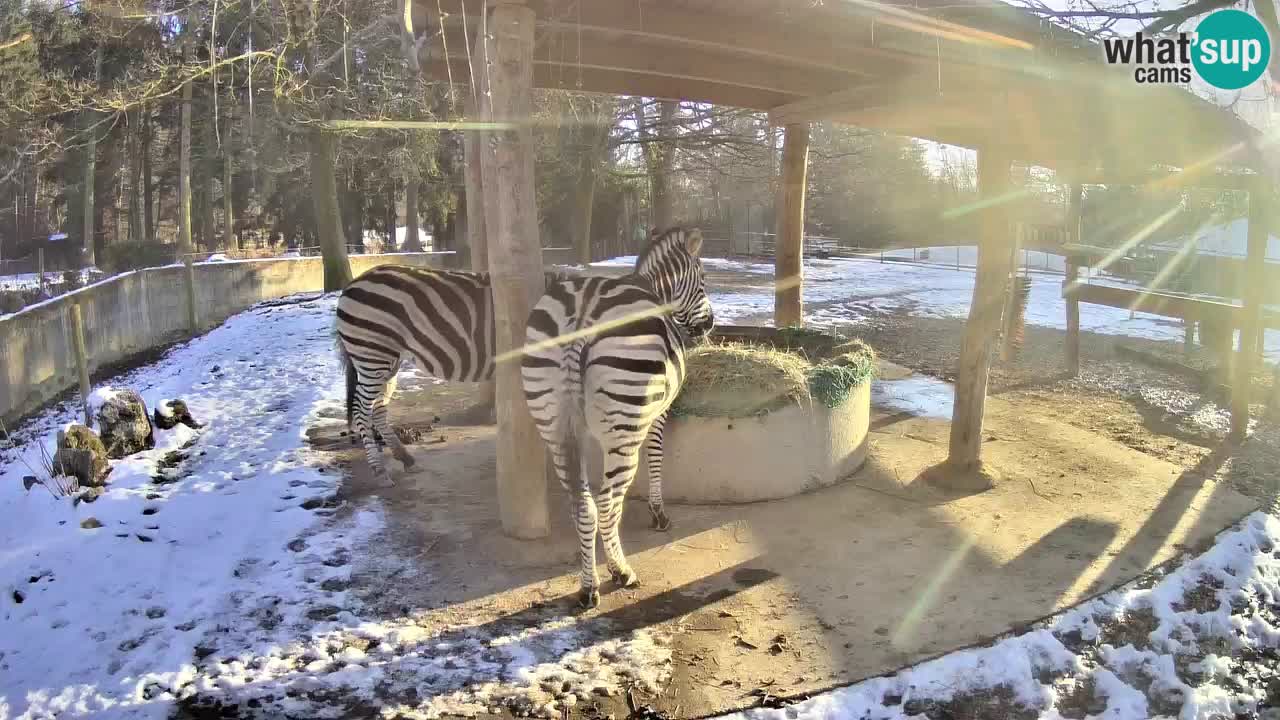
[(146, 130)]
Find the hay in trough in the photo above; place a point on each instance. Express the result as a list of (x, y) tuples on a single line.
[(735, 379)]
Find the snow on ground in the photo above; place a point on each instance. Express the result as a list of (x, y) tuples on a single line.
[(216, 569), (850, 292), (31, 281), (1200, 643)]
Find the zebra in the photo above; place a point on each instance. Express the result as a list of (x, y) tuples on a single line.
[(443, 319), (603, 361)]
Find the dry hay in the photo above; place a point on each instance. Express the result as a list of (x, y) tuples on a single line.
[(736, 379)]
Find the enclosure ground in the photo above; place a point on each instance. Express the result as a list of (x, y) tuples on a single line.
[(795, 596)]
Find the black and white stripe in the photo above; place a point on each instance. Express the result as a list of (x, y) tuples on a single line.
[(444, 320), (604, 359)]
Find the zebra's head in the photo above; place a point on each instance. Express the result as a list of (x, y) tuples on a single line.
[(672, 266)]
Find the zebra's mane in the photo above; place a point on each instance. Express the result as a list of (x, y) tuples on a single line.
[(667, 241)]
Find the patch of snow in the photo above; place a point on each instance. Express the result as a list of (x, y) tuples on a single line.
[(101, 396), (919, 395), (1237, 582), (218, 572)]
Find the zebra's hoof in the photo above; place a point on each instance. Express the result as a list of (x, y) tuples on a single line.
[(627, 579), (588, 599), (661, 522)]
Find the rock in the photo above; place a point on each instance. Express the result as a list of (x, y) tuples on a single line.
[(90, 523), (123, 422), (81, 454), (171, 413)]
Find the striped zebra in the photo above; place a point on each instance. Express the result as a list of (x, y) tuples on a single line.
[(604, 359), (444, 320)]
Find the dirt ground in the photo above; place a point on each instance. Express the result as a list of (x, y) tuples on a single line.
[(787, 598)]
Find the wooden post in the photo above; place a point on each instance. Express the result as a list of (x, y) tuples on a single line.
[(1075, 226), (40, 265), (82, 359), (515, 261), (1251, 313), (964, 464), (1011, 293), (190, 281), (788, 268)]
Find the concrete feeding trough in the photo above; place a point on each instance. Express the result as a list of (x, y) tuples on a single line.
[(766, 414)]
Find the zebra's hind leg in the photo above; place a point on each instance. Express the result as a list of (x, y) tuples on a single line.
[(384, 428), (653, 454), (620, 470), (586, 519), (371, 384)]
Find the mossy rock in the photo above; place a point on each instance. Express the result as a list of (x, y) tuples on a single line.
[(81, 454), (753, 371)]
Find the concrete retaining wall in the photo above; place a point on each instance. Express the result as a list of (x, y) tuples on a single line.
[(133, 312)]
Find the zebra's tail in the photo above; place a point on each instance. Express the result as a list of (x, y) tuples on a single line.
[(352, 381)]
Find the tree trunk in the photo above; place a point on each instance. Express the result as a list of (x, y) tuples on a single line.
[(473, 173), (135, 185), (981, 327), (228, 217), (324, 195), (595, 147), (389, 216), (88, 216), (664, 155), (788, 308), (515, 262), (184, 152), (148, 211), (412, 242)]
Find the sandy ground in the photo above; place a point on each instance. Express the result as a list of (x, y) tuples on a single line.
[(792, 597)]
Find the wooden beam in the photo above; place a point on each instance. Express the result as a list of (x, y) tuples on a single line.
[(807, 41), (564, 48), (615, 81), (515, 263), (964, 461), (788, 307), (846, 103), (1251, 321)]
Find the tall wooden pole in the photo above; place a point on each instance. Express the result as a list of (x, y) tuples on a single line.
[(474, 105), (964, 465), (515, 261), (1251, 315), (788, 268), (472, 167), (1075, 226)]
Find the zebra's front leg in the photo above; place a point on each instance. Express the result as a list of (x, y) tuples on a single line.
[(586, 518), (653, 454)]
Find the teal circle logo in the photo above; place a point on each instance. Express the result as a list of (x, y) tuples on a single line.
[(1232, 49)]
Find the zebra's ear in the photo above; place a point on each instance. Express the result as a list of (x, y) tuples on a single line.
[(693, 241)]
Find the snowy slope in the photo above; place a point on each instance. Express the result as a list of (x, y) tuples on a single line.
[(105, 613)]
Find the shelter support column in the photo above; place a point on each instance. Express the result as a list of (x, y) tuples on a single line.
[(788, 308), (515, 260), (1075, 226), (1251, 312), (964, 464)]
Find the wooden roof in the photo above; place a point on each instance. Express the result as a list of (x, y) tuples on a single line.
[(955, 71)]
